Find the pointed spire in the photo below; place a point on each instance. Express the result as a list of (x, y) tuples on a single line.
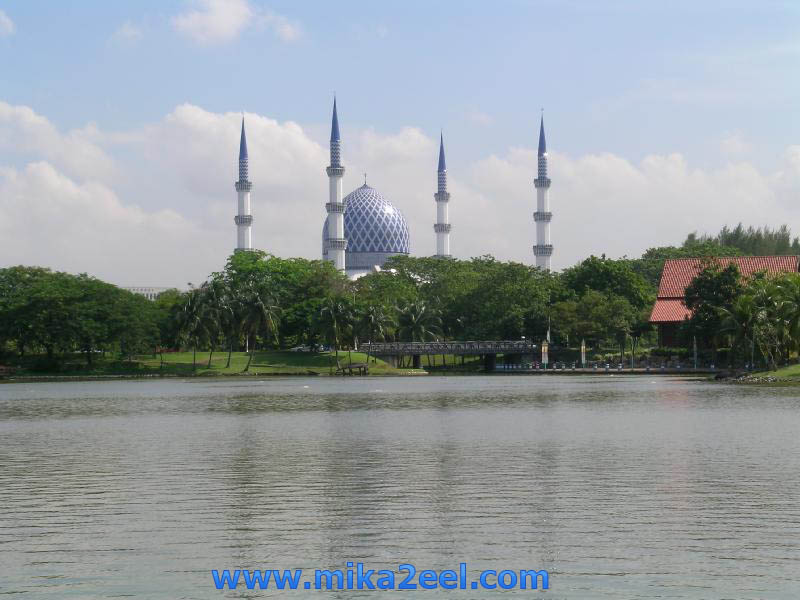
[(335, 124), (442, 164), (243, 144), (542, 142)]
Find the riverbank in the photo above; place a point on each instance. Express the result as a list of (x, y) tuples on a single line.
[(187, 364), (323, 364), (785, 376)]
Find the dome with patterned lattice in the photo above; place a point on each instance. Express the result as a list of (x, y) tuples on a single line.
[(373, 227)]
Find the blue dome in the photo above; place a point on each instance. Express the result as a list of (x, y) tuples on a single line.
[(373, 227)]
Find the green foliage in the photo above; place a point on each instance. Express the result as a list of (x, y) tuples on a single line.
[(52, 312), (595, 317), (712, 291), (764, 319), (750, 241), (651, 264), (612, 277), (261, 302), (481, 298)]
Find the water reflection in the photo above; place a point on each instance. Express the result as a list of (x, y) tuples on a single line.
[(621, 487)]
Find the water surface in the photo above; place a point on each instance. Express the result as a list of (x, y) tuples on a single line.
[(621, 487)]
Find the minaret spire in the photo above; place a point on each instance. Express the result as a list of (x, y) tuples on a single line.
[(442, 197), (243, 220), (543, 250), (337, 244)]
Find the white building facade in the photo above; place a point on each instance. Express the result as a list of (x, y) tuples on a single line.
[(243, 218), (442, 198), (543, 250), (363, 229)]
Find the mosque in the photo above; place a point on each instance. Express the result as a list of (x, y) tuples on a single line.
[(363, 229)]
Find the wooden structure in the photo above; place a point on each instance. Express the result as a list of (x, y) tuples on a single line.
[(352, 369), (487, 349)]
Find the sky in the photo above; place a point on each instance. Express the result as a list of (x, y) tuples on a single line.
[(119, 124)]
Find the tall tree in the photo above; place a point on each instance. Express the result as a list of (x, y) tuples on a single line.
[(374, 322), (712, 290), (260, 314)]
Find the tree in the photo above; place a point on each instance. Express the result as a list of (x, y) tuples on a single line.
[(651, 264), (739, 321), (335, 316), (612, 277), (418, 322), (191, 321), (789, 307), (260, 314), (373, 322), (751, 241), (711, 291)]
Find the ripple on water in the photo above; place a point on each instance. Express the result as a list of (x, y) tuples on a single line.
[(623, 488)]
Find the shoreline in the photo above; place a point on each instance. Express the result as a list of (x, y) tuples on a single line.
[(409, 373)]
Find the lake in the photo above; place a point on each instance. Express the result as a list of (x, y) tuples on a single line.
[(620, 487)]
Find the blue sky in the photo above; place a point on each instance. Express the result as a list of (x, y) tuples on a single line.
[(713, 82), (625, 77)]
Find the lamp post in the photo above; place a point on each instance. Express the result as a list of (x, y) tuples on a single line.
[(583, 354), (545, 348)]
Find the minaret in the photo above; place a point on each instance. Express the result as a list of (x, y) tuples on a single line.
[(243, 220), (442, 196), (337, 244), (543, 249)]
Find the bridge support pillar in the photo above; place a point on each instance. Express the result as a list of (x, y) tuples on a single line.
[(416, 361), (489, 362)]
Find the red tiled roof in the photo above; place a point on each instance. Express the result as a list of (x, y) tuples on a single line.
[(679, 272), (669, 311)]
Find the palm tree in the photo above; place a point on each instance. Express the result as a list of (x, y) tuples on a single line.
[(211, 314), (418, 322), (740, 322), (191, 322), (789, 308), (335, 316), (374, 322), (259, 313), (772, 330)]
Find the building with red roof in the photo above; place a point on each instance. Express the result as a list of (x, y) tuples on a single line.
[(669, 311)]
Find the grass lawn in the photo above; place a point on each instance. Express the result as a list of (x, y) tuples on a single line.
[(273, 362), (264, 363), (790, 372), (180, 363)]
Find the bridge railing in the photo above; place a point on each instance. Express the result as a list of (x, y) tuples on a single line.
[(468, 347)]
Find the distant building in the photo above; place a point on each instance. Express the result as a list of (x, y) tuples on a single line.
[(363, 229), (669, 310), (243, 218), (543, 250), (151, 293)]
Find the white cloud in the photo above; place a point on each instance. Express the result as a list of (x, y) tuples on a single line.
[(7, 26), (24, 132), (219, 21), (734, 144), (48, 219), (282, 27), (127, 33), (165, 217)]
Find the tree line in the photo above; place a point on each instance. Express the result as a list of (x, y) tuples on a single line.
[(259, 301)]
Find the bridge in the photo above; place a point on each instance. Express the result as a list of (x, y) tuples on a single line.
[(488, 349)]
